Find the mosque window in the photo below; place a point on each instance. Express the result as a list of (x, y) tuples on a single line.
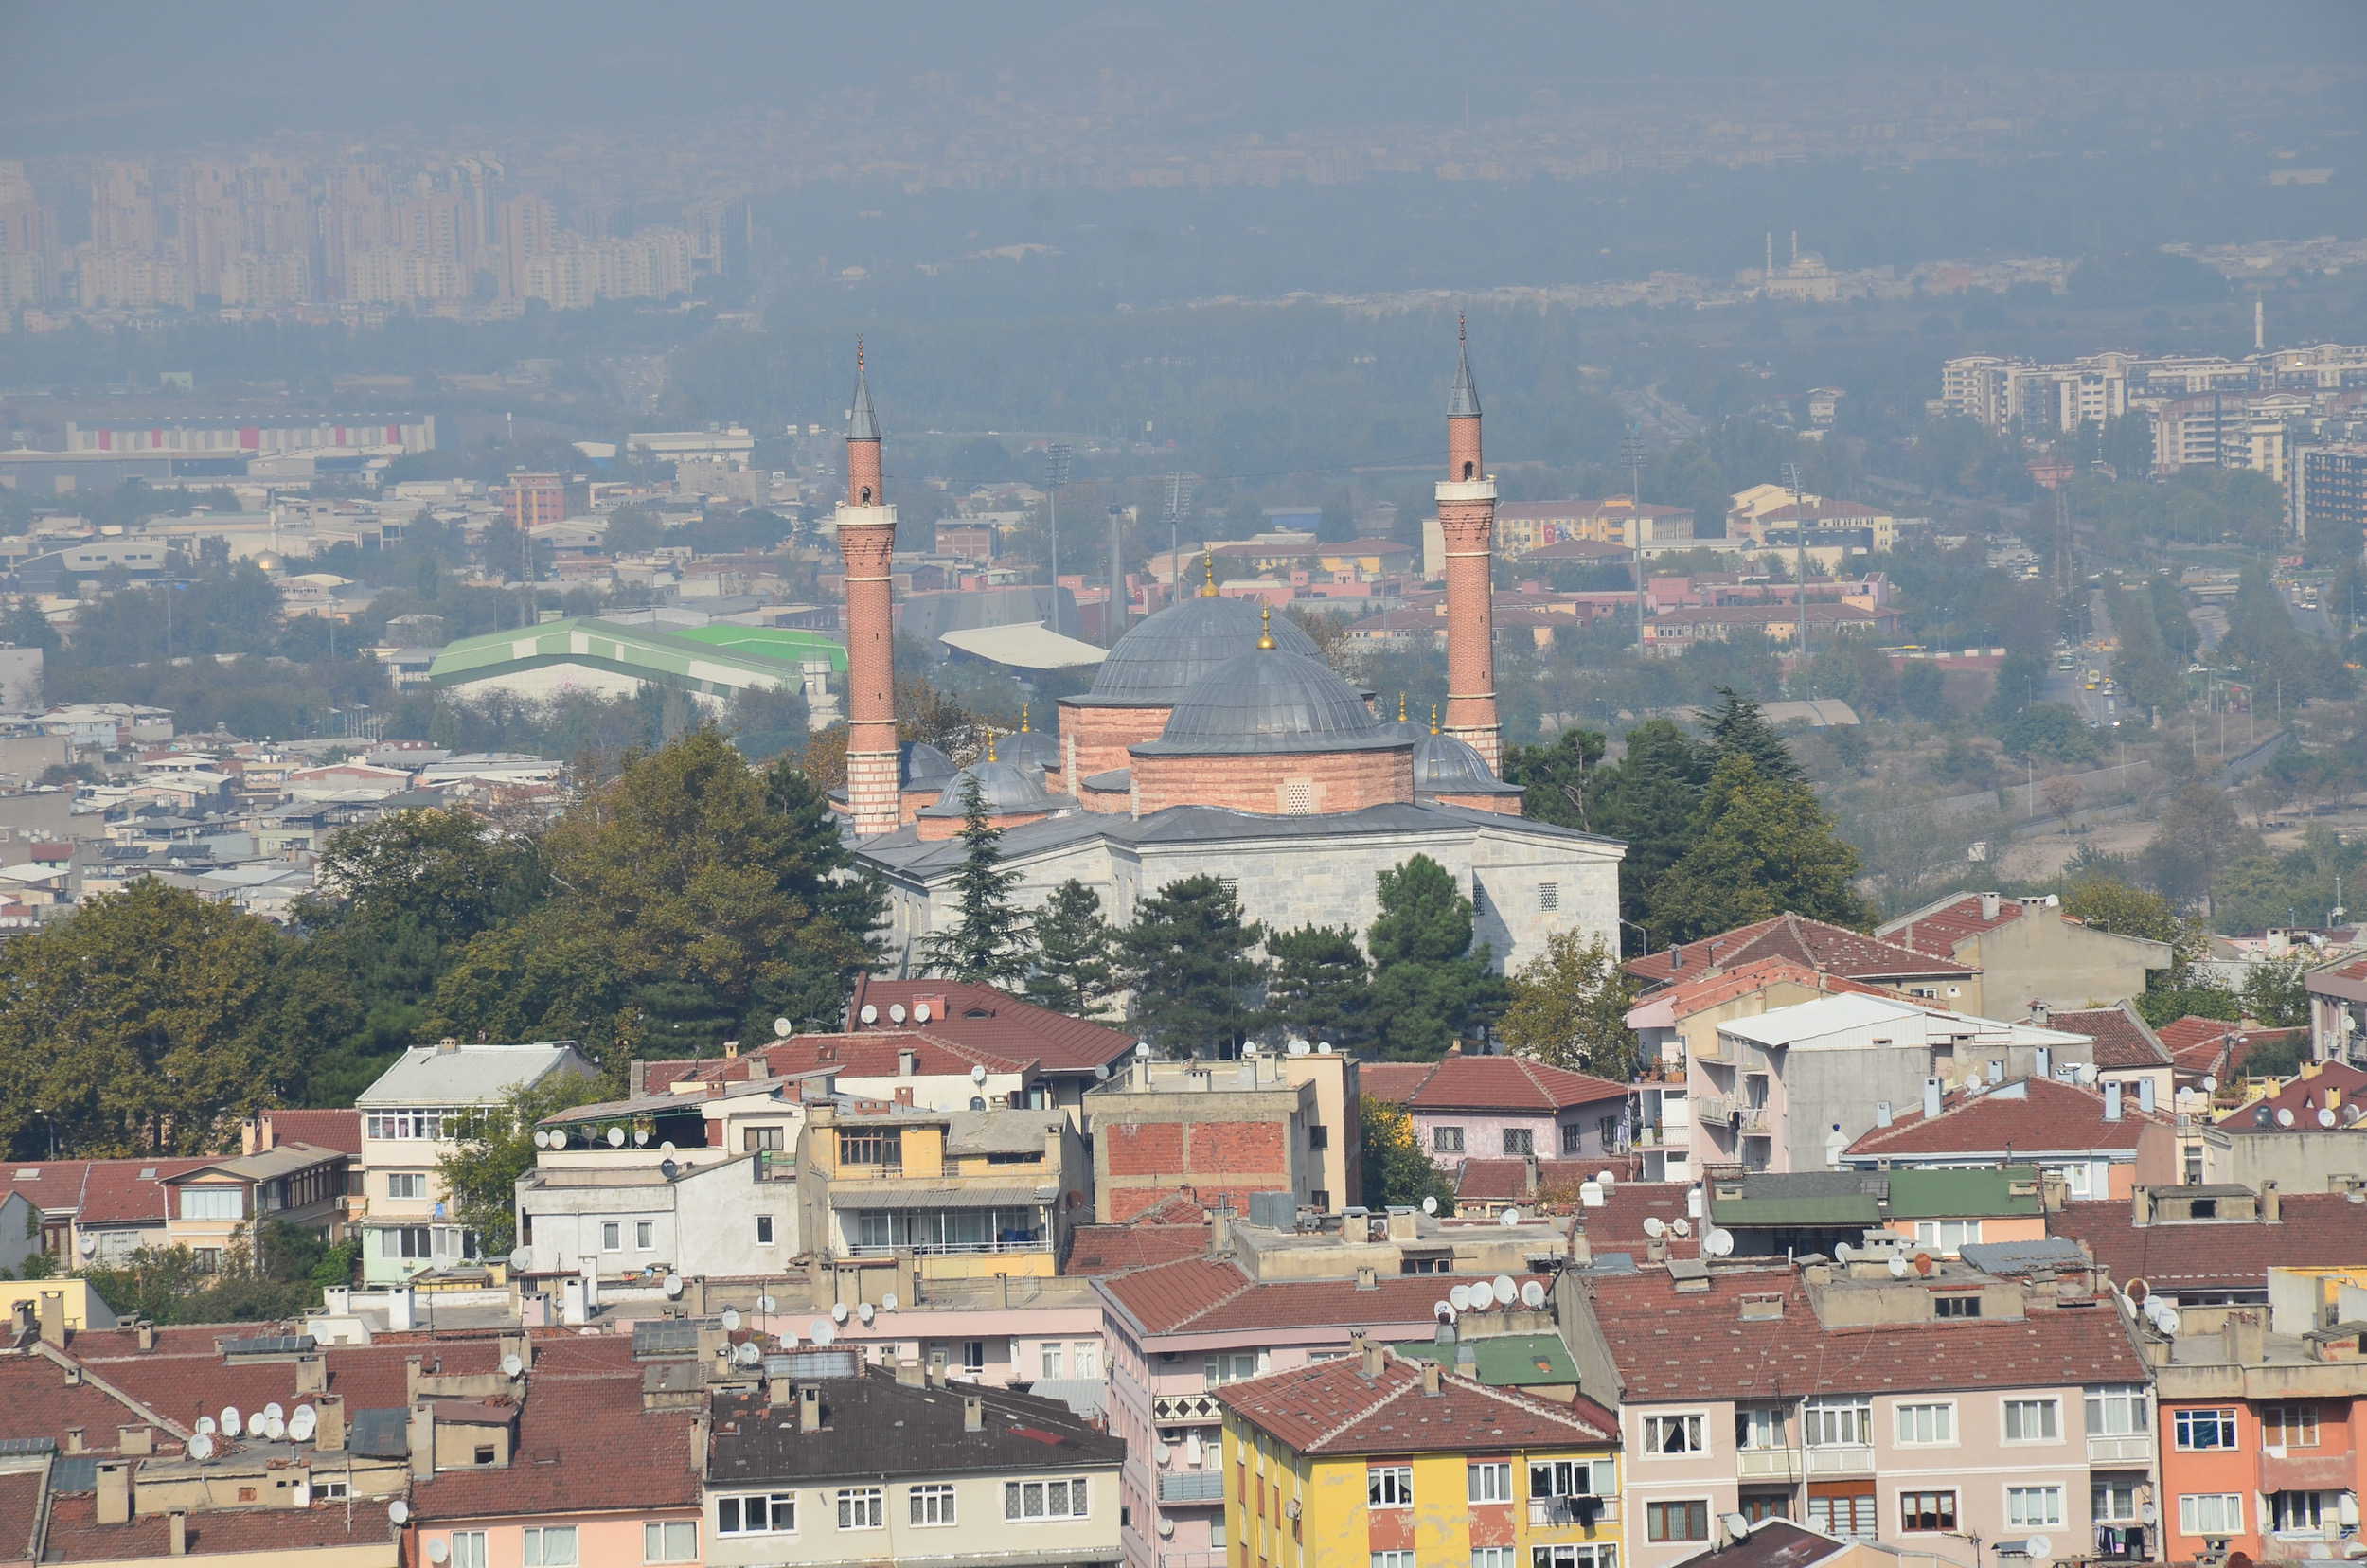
[(1548, 897), (1298, 797)]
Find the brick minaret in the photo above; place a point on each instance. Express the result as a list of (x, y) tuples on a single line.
[(1467, 523), (866, 538)]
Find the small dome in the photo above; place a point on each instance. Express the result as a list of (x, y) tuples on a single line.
[(1007, 788), (1268, 699), (1161, 659), (923, 765), (1029, 746), (1443, 764)]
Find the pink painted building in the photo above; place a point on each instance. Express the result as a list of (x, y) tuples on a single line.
[(1496, 1107)]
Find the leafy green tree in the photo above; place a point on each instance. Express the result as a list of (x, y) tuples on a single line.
[(2276, 993), (1761, 847), (2116, 906), (1186, 959), (2172, 1002), (439, 868), (495, 1146), (1075, 962), (2050, 732), (2019, 680), (1430, 986), (988, 941), (148, 1021), (1923, 692), (1558, 777), (1396, 1171), (767, 721), (2198, 832), (1320, 987), (1740, 726), (1569, 1008), (632, 531), (270, 1280)]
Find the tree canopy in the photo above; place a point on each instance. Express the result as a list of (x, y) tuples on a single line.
[(1186, 959), (1761, 847), (987, 942), (1431, 985), (1569, 1008)]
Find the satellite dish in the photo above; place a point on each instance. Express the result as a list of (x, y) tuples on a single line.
[(1654, 1227), (615, 1137), (1504, 1290), (1716, 1242), (895, 1013), (1430, 1203), (838, 1312), (1300, 1047), (1459, 1297), (2285, 1116), (2039, 1546), (668, 1168), (641, 1136), (866, 1311), (202, 1446), (978, 1073), (1736, 1524), (887, 1302), (398, 1511), (1681, 1226), (1509, 1217), (1590, 1195), (1142, 1049), (1843, 1252), (673, 1284), (272, 1411), (765, 1305), (1532, 1293), (1162, 1453), (231, 1425), (520, 1258), (541, 1139), (205, 1426), (1443, 1310), (815, 1330), (731, 1320), (2210, 1083), (826, 1334), (783, 1028), (512, 1365), (1898, 1268), (2326, 1115), (869, 1014), (748, 1353), (920, 1012), (1249, 1049), (1607, 1178), (439, 1550)]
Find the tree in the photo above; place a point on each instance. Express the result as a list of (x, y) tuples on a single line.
[(1923, 692), (1397, 1172), (445, 870), (1762, 847), (2170, 1002), (2048, 732), (1186, 960), (1430, 986), (1076, 969), (148, 1021), (1569, 1008), (765, 722), (1558, 777), (1648, 800), (2019, 679), (2276, 993), (2061, 795), (1740, 726), (1320, 987), (632, 531), (495, 1146), (988, 941)]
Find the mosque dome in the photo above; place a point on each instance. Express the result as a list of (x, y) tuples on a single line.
[(923, 765), (1029, 746), (1168, 655), (1008, 788), (1272, 700), (1443, 764)]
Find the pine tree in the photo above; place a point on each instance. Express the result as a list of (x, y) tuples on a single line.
[(1761, 847), (1186, 960), (1647, 800), (1739, 725), (988, 942), (1076, 969), (1321, 988), (1430, 986)]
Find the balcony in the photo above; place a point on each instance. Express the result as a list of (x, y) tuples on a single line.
[(1842, 1459), (1573, 1512), (1718, 1110), (1202, 1485), (944, 1249), (1781, 1464), (2134, 1447)]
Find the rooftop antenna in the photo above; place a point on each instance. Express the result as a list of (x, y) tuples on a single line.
[(731, 1320), (1057, 457), (747, 1353), (231, 1425), (1430, 1203), (202, 1446), (1800, 538), (783, 1028), (1718, 1243), (1632, 452)]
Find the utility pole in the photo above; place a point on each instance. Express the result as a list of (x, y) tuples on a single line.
[(1057, 459), (1632, 449), (1800, 559), (1178, 492)]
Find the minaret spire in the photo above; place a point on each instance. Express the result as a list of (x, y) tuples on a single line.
[(867, 542), (861, 423), (1463, 399), (1466, 528)]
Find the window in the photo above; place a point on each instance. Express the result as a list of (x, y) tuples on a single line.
[(645, 1234), (1574, 1138), (1519, 1140), (1321, 1198), (612, 1236), (1548, 897), (406, 1242), (1687, 1521), (2078, 1180), (326, 1490), (2203, 1429), (1393, 1560), (1087, 1358), (1766, 1505), (2211, 1514), (1491, 1556), (551, 1546), (756, 1513), (1849, 1515), (1926, 1424), (2289, 1425), (1389, 1485), (2033, 1421), (2117, 1413), (760, 1140), (931, 1503), (1573, 1557), (407, 1183), (1492, 1481), (1927, 1512), (872, 1146), (1960, 1304), (1947, 1235), (764, 1230), (2305, 1513), (1445, 1140), (673, 1541), (1052, 1357), (862, 1508), (1673, 1434), (1030, 1499), (2033, 1507), (2113, 1501), (1318, 1137), (1231, 1366), (973, 1358), (1838, 1423), (484, 1454), (1759, 1427), (1571, 1478), (213, 1203), (468, 1548)]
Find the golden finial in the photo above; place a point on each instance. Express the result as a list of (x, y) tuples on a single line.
[(1400, 708), (858, 353), (1460, 334), (1022, 718), (990, 748), (1208, 583), (1264, 624), (1433, 718)]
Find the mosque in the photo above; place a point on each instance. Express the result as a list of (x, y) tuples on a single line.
[(1215, 741)]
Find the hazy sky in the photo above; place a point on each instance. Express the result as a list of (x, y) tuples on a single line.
[(105, 74)]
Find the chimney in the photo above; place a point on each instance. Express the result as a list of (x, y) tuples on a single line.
[(420, 1431), (1656, 1248), (2041, 1013), (114, 1492), (1368, 1357), (53, 1318), (810, 1408), (1930, 1098), (908, 1372), (2144, 1093), (74, 1441), (702, 1431), (2112, 1102), (2246, 1336), (907, 1062), (973, 1413), (1367, 1280), (937, 1368), (1881, 1113), (1989, 907), (1433, 1379), (412, 1366), (145, 1332), (447, 1045), (312, 1374), (636, 1077), (177, 1533), (135, 1439), (2272, 1203), (2140, 1205), (329, 1423), (2046, 1057)]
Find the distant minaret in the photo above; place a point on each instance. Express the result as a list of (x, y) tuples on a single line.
[(1467, 524), (2259, 324), (866, 540)]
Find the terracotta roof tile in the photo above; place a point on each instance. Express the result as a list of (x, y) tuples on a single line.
[(38, 1402), (1175, 1229), (1392, 1081), (1201, 1295), (1557, 1183), (1331, 1407), (1831, 948), (337, 1130), (76, 1535), (2331, 1097), (1938, 929), (2032, 1117), (1508, 1083), (2313, 1229), (20, 1515), (1618, 1225), (98, 1192), (2122, 1040), (1697, 993), (986, 1019), (584, 1444)]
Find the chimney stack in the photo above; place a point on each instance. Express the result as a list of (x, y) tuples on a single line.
[(420, 1431), (1989, 907), (312, 1374), (53, 1319), (973, 1413), (1930, 1098), (329, 1423), (144, 1332), (907, 1062), (1433, 1379), (76, 1440), (1467, 526), (2144, 1093), (2272, 1203), (2112, 1100), (2246, 1336), (2140, 1205), (135, 1439), (114, 1492), (909, 1374), (177, 1533), (810, 1408)]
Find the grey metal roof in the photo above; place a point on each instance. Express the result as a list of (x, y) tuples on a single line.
[(924, 764), (470, 1073), (1448, 764), (1159, 661), (922, 1194), (1004, 786), (1463, 397), (861, 423), (1268, 701), (1029, 746), (2017, 1257), (380, 1433), (74, 1472)]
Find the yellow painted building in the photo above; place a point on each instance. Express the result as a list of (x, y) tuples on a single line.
[(958, 1194), (1373, 1458)]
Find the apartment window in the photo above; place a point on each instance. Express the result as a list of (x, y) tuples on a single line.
[(1052, 1356), (1319, 1136), (760, 1140), (862, 1508), (209, 1260), (674, 1541), (467, 1550), (1519, 1140), (1574, 1557), (1759, 1427), (1927, 1512), (551, 1546), (213, 1203), (2118, 1413), (1492, 1481), (1548, 897), (1393, 1560), (1838, 1423), (2305, 1513), (2033, 1507), (1927, 1425), (326, 1490), (1030, 1499), (764, 1230), (2289, 1426), (483, 1453), (1849, 1515), (1681, 1521), (1947, 1235), (1571, 1478), (1492, 1557), (1574, 1138), (2034, 1422), (645, 1234), (872, 1146), (1445, 1140), (1389, 1485), (612, 1236), (1962, 1304), (1673, 1434), (407, 1183), (406, 1242), (1321, 1198), (756, 1513), (1230, 1367), (2203, 1429), (2112, 1501), (932, 1505), (2193, 1166), (2078, 1180), (2211, 1514), (1086, 1358), (1755, 1507), (973, 1358)]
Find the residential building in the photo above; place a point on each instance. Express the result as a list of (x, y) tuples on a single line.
[(1217, 1131), (95, 1213), (913, 1065), (2337, 1011), (2215, 1246), (1510, 1106), (2328, 493), (217, 1208), (1523, 528), (2127, 1052), (1392, 1460), (2100, 1143), (409, 1116), (2028, 953), (2306, 1133), (1777, 1542), (1070, 1053), (1911, 1410), (1821, 947), (1938, 1212), (1674, 631)]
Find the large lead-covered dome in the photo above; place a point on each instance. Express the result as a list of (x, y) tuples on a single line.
[(1157, 663), (1272, 700), (1005, 788)]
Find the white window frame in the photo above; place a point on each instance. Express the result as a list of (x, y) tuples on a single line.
[(2120, 1410), (1085, 1358), (931, 1504), (2224, 1418), (657, 1534), (2224, 1506), (2053, 1422), (774, 1504), (406, 1186), (1761, 1429), (1943, 1423), (2021, 1496), (1692, 1422), (1491, 1480), (1845, 1422), (2115, 1502), (1561, 1556), (612, 1236), (862, 1508), (1225, 1367), (218, 1202), (2325, 1505), (1494, 1557), (544, 1543), (1947, 1235), (467, 1550), (1069, 1492), (1389, 1485), (1396, 1558), (1052, 1359), (1573, 1478), (644, 1236)]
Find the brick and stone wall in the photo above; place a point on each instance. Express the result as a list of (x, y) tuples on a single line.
[(1277, 783), (1094, 738)]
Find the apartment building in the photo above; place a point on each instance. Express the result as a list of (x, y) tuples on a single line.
[(1071, 1053), (2027, 952), (2206, 1247), (1218, 1131), (2100, 1143), (1502, 1107), (2328, 491)]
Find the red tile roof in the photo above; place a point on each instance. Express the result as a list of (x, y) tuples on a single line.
[(2122, 1040), (2313, 1228), (1557, 1183), (1175, 1229), (2197, 1046), (1830, 949), (20, 1515), (2331, 1097), (337, 1130), (98, 1192), (2032, 1117), (1204, 1296), (76, 1535), (1333, 1408), (1618, 1225), (37, 1402), (1697, 993), (584, 1444), (1698, 1346), (870, 1055), (1508, 1083), (986, 1019), (1937, 931), (1392, 1081)]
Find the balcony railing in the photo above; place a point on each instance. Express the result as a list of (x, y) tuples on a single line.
[(1720, 1111), (1573, 1511), (2134, 1449), (1781, 1464), (1192, 1487), (1849, 1459), (942, 1248)]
